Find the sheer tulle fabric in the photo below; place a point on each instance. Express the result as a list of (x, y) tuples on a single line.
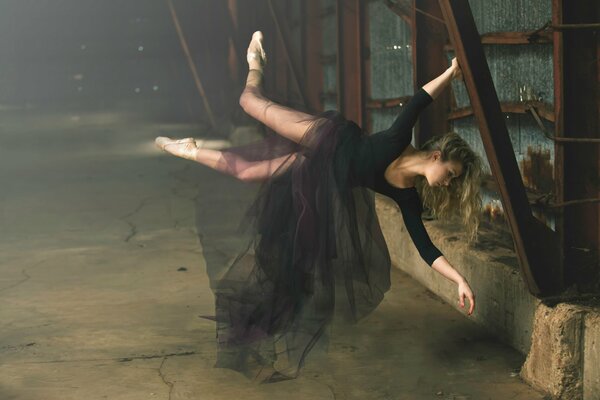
[(314, 250)]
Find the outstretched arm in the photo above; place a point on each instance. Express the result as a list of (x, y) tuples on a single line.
[(411, 209), (435, 87), (402, 125)]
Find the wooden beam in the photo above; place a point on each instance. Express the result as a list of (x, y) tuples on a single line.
[(192, 65), (526, 37), (387, 103), (511, 38), (509, 107), (535, 243)]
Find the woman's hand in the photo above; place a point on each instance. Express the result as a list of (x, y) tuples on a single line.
[(435, 86), (465, 291), (455, 68)]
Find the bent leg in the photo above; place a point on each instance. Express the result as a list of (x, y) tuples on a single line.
[(286, 121)]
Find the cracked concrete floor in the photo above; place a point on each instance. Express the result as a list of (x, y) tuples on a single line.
[(102, 280)]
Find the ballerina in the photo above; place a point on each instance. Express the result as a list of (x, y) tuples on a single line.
[(318, 247)]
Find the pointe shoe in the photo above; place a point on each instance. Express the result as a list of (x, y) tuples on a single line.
[(186, 148), (163, 141), (254, 53)]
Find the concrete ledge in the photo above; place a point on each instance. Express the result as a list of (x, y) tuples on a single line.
[(563, 358), (502, 302), (591, 360)]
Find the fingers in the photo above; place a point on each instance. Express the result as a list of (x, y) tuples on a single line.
[(472, 302), (457, 70), (471, 298), (455, 63)]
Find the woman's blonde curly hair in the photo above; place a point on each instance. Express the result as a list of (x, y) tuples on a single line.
[(462, 196)]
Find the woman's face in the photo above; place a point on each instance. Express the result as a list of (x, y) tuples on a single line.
[(440, 173)]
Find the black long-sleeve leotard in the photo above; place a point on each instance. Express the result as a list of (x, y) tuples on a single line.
[(377, 152)]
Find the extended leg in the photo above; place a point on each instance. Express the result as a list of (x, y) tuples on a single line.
[(226, 162), (286, 121)]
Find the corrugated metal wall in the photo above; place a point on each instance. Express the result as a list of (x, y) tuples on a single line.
[(391, 61)]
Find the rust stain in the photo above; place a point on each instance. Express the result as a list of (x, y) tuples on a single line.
[(541, 216), (493, 211), (537, 170)]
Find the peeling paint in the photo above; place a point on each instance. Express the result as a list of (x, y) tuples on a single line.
[(537, 170)]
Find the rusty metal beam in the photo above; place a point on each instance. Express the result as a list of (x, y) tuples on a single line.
[(525, 37), (365, 56), (351, 82), (536, 116), (192, 65), (235, 51), (559, 151), (403, 9), (387, 103), (510, 107), (292, 57), (535, 243), (429, 61), (551, 26), (561, 27), (312, 40), (580, 108), (339, 12)]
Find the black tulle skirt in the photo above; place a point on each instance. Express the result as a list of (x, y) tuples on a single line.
[(314, 251)]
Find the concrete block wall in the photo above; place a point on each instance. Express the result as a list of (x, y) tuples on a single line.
[(564, 359)]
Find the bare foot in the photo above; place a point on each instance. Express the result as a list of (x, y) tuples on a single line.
[(184, 148), (256, 56)]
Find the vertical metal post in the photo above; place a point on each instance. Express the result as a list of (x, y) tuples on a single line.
[(559, 154), (350, 65), (231, 25), (339, 12), (313, 43), (429, 60), (580, 117)]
